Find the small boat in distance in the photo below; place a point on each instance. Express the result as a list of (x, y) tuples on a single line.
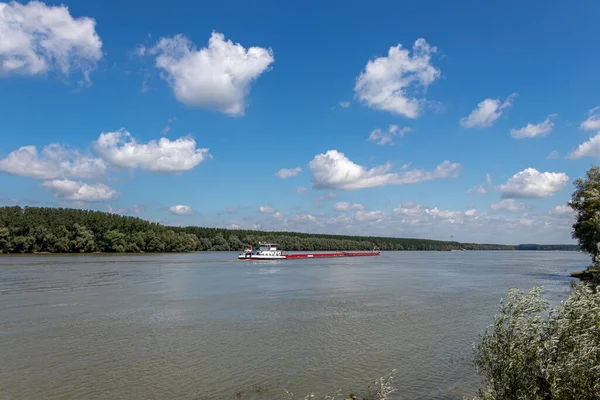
[(270, 251)]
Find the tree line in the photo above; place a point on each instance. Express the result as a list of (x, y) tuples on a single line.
[(59, 230), (63, 230)]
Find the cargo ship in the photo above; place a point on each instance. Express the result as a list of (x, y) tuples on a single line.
[(270, 251)]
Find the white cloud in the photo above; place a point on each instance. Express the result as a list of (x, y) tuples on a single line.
[(78, 191), (382, 138), (479, 189), (325, 197), (304, 218), (531, 130), (563, 210), (487, 112), (267, 209), (369, 216), (409, 208), (554, 154), (343, 206), (410, 219), (344, 104), (181, 209), (509, 205), (36, 38), (301, 190), (216, 77), (593, 121), (167, 127), (416, 212), (389, 83), (53, 162), (122, 151), (136, 209), (532, 183), (334, 170), (591, 148), (285, 173), (470, 212)]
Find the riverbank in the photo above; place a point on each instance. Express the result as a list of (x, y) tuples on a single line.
[(235, 252), (587, 274)]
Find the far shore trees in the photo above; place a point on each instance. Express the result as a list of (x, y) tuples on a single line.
[(585, 201), (62, 230)]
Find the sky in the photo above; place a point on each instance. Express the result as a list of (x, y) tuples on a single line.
[(462, 121)]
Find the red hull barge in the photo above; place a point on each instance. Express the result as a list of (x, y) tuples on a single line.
[(326, 255), (269, 251)]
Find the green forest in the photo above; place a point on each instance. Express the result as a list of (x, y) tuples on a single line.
[(62, 230)]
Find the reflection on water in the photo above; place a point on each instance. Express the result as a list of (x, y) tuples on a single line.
[(205, 324)]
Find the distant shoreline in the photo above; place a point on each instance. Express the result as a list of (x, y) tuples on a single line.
[(45, 230), (98, 253)]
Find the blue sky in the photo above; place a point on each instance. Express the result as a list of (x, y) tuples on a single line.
[(430, 119)]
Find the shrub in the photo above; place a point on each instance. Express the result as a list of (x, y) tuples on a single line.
[(525, 355)]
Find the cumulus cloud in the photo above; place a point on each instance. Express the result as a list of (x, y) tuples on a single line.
[(333, 170), (216, 77), (267, 209), (344, 104), (121, 150), (564, 210), (411, 219), (416, 212), (554, 154), (479, 189), (285, 173), (387, 137), (591, 148), (592, 123), (470, 212), (509, 205), (390, 83), (36, 38), (487, 112), (343, 206), (534, 130), (181, 209), (66, 189), (301, 190), (325, 197), (54, 162), (409, 208), (533, 184)]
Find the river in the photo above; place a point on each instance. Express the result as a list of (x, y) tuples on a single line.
[(204, 325)]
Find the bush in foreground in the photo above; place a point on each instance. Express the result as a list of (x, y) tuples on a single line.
[(525, 355)]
